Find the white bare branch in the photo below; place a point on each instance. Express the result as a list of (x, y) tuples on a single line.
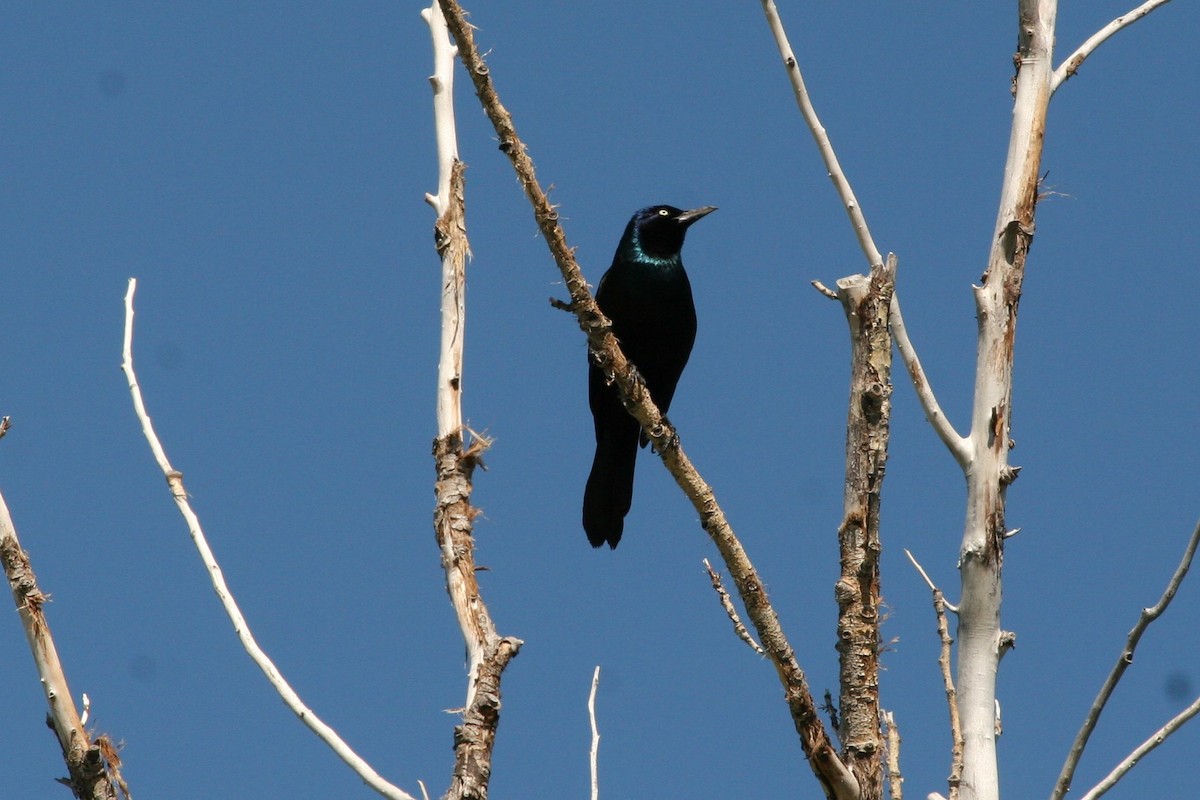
[(595, 752), (996, 299), (825, 290), (1070, 66), (929, 581), (1124, 659), (955, 442), (442, 80), (857, 219), (1131, 760), (895, 777), (956, 734), (240, 626), (453, 248), (487, 653)]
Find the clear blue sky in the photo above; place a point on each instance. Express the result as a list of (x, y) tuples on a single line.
[(260, 168)]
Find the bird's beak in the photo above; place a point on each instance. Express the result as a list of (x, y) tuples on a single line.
[(688, 217)]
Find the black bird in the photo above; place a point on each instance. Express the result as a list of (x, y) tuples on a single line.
[(647, 297)]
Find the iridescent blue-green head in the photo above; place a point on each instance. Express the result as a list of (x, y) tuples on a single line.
[(657, 231)]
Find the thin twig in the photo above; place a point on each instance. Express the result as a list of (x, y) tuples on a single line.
[(825, 290), (1070, 66), (240, 626), (895, 777), (1124, 659), (595, 751), (1139, 752), (727, 603), (958, 445), (956, 736), (858, 220), (929, 582)]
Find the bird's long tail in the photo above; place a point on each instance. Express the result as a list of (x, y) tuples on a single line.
[(609, 491)]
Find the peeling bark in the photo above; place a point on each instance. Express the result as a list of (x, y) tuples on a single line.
[(93, 766), (867, 303)]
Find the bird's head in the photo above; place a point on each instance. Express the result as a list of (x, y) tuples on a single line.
[(657, 231)]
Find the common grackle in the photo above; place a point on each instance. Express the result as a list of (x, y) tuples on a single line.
[(647, 297)]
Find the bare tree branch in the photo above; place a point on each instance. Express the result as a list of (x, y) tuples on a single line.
[(825, 290), (835, 779), (453, 519), (954, 441), (92, 764), (929, 581), (866, 302), (727, 603), (956, 737), (450, 230), (594, 756), (240, 626), (858, 220), (1139, 752), (894, 775), (1124, 659), (981, 554), (1070, 66)]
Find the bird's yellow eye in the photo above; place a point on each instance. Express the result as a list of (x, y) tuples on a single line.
[(662, 212)]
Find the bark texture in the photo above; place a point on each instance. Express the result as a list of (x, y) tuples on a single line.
[(866, 301), (93, 766)]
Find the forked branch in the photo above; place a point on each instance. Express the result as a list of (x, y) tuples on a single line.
[(1139, 752), (1071, 65), (1124, 659), (957, 444), (858, 221)]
